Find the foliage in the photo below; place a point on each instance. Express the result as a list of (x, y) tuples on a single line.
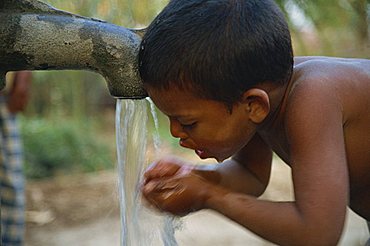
[(331, 27), (68, 146), (76, 94), (127, 13)]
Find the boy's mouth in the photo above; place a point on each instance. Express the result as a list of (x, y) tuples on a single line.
[(201, 153)]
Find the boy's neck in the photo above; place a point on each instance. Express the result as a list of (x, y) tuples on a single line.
[(278, 96)]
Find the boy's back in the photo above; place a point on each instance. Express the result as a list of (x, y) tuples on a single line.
[(321, 83)]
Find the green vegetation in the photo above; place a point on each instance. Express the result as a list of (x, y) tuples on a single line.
[(53, 147), (329, 27)]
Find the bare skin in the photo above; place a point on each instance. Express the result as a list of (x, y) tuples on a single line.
[(318, 124), (19, 93)]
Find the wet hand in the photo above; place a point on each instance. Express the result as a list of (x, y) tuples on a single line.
[(180, 194), (166, 167)]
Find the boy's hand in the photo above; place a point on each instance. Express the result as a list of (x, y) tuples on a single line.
[(166, 167), (180, 194), (178, 187)]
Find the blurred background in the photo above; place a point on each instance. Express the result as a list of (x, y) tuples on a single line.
[(68, 128)]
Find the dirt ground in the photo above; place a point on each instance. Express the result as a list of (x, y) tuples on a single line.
[(83, 210)]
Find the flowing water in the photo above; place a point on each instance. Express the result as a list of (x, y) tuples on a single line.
[(139, 225)]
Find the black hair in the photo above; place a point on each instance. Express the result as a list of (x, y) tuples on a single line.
[(217, 48)]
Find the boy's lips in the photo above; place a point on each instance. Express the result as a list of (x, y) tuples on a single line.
[(201, 153)]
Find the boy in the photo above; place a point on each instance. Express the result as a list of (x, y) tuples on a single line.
[(222, 71)]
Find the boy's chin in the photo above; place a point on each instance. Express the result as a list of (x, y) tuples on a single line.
[(204, 155), (221, 159), (201, 154)]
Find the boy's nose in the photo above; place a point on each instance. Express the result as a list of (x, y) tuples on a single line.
[(176, 129)]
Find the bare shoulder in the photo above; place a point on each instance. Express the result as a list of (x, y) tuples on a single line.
[(327, 120), (346, 81), (319, 102), (340, 69), (358, 63)]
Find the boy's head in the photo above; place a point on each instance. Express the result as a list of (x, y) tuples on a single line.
[(217, 49)]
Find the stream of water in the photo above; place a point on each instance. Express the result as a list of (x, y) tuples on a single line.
[(139, 225)]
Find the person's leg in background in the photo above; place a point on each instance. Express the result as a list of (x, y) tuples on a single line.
[(11, 179), (368, 241)]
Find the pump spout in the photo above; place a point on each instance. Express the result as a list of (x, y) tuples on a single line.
[(36, 36)]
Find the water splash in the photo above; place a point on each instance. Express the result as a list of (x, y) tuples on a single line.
[(156, 137), (140, 226), (131, 122), (171, 223)]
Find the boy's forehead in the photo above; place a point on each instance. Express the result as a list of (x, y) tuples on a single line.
[(172, 94), (177, 103)]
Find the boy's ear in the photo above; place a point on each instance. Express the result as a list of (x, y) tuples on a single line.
[(257, 104)]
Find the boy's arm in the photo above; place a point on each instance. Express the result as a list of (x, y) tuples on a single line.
[(175, 186), (248, 171), (320, 177)]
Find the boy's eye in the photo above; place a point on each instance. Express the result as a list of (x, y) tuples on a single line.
[(188, 126)]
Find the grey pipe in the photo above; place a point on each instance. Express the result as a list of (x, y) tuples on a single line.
[(36, 36)]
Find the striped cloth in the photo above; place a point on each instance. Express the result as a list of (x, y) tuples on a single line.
[(368, 241), (11, 179)]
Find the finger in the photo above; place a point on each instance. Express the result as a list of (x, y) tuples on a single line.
[(162, 190), (152, 165), (149, 204), (149, 187), (155, 200), (160, 170), (165, 168), (156, 186), (151, 172)]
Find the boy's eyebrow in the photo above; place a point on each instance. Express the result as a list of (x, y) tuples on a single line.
[(179, 116)]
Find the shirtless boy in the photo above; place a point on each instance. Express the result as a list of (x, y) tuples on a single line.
[(223, 72)]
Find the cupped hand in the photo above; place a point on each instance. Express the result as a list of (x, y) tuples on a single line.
[(166, 167), (179, 194)]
